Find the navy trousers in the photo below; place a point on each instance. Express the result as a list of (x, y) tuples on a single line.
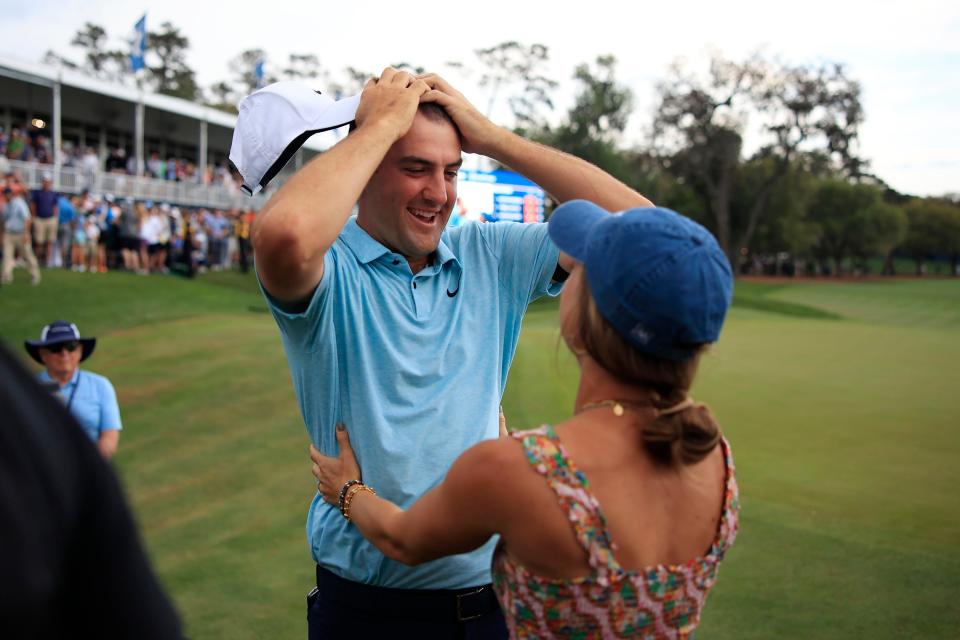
[(339, 608)]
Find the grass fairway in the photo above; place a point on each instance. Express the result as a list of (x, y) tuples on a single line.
[(840, 402)]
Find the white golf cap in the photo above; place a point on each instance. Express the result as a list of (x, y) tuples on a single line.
[(275, 121)]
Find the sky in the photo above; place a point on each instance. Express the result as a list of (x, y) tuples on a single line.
[(906, 55)]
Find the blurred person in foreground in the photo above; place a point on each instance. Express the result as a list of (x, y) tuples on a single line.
[(88, 396), (71, 560), (406, 331), (613, 523), (16, 233)]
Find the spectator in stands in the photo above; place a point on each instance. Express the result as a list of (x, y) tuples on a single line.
[(129, 223), (117, 162), (90, 166), (4, 163), (69, 156), (44, 206), (199, 244), (93, 252), (244, 224), (16, 145), (155, 235), (216, 228), (41, 150), (108, 215), (66, 225), (89, 397), (78, 257), (16, 234), (154, 165)]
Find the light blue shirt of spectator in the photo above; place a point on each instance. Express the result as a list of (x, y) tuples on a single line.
[(67, 211), (92, 400), (15, 215)]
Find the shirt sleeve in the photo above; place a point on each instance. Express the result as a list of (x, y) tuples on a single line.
[(109, 408), (527, 258), (300, 325)]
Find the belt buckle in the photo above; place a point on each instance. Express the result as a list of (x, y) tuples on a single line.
[(460, 616)]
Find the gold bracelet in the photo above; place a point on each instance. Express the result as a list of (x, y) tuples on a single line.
[(351, 493)]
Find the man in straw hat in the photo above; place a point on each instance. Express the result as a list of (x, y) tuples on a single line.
[(89, 397)]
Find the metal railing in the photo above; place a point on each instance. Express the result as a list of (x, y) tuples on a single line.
[(192, 194)]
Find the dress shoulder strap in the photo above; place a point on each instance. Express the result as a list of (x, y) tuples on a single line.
[(546, 454)]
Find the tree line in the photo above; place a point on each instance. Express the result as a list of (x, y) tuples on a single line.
[(803, 196)]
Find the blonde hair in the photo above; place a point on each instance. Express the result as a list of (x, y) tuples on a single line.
[(684, 436)]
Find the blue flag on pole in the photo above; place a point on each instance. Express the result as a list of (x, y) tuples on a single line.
[(138, 46), (258, 73)]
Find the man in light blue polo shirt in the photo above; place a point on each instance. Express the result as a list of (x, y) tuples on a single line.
[(89, 397), (405, 332)]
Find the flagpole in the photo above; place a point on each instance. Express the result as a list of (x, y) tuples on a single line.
[(137, 55)]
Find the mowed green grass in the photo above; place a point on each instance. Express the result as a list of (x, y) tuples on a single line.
[(840, 401)]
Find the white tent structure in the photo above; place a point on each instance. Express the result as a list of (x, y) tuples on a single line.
[(74, 108)]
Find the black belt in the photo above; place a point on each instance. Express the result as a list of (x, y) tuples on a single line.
[(456, 605)]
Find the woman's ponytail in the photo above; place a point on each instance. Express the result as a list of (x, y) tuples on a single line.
[(683, 430)]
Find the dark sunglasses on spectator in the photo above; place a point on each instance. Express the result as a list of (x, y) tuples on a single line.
[(60, 346)]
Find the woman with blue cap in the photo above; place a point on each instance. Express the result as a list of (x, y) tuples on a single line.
[(90, 397), (612, 523)]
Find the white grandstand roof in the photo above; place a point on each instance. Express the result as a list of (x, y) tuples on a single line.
[(47, 75)]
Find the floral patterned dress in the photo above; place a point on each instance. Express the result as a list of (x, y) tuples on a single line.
[(662, 601)]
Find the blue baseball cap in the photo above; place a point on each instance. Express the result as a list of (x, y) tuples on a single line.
[(659, 278)]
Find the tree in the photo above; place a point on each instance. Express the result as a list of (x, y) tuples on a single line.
[(171, 75), (934, 228), (302, 66), (415, 69), (854, 221), (514, 66), (353, 82), (698, 129), (595, 122), (223, 97), (804, 113), (790, 230), (91, 40), (805, 108), (882, 226), (53, 58), (243, 66), (98, 60)]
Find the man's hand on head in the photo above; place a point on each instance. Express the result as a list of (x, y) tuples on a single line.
[(478, 133), (391, 102)]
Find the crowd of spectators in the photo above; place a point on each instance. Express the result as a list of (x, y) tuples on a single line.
[(98, 233), (30, 144)]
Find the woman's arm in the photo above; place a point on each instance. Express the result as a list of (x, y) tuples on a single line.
[(457, 516)]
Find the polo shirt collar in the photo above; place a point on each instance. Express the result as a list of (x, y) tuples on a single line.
[(367, 249), (363, 246), (444, 255), (45, 377)]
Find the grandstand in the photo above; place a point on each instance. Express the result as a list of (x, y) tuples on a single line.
[(69, 111)]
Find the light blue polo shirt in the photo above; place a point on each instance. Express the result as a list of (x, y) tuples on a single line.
[(94, 403), (415, 366)]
